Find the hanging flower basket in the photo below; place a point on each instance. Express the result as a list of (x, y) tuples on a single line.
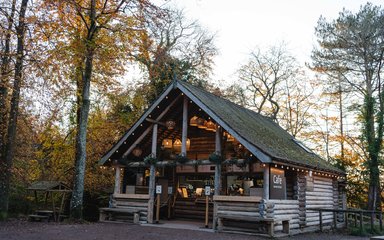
[(215, 157), (150, 159), (181, 158)]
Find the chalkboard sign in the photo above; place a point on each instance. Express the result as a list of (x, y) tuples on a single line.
[(277, 184)]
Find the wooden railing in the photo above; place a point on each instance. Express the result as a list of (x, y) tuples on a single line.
[(356, 213)]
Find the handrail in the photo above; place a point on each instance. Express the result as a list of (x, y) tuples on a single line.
[(349, 211)]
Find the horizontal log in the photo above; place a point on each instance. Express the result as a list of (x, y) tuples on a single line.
[(286, 211), (283, 207), (319, 198), (322, 202), (131, 196), (221, 198), (311, 219), (282, 202), (316, 194), (318, 206), (240, 204), (235, 213), (238, 208), (290, 216)]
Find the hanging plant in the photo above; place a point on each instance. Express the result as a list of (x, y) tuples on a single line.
[(150, 159), (181, 158), (215, 157)]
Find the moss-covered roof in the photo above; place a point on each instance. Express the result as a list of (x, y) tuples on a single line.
[(266, 135)]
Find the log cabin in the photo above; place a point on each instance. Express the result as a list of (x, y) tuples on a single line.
[(196, 155)]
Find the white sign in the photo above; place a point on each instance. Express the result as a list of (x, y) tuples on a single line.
[(207, 190), (170, 190), (158, 189)]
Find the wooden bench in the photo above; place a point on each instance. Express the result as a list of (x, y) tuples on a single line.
[(126, 204), (270, 222), (106, 213), (37, 218)]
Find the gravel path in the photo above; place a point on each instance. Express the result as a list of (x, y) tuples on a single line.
[(22, 230)]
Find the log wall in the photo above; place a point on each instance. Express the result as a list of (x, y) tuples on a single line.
[(284, 209), (322, 196)]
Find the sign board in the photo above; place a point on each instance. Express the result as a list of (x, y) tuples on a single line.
[(207, 190), (158, 189), (170, 190), (277, 184)]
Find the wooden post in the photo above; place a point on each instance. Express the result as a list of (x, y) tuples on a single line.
[(158, 208), (372, 215), (218, 136), (321, 220), (346, 219), (361, 221), (266, 182), (152, 177), (355, 218), (381, 220), (169, 206), (184, 128), (117, 179), (206, 210), (335, 219)]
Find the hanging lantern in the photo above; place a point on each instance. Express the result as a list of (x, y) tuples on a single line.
[(167, 143), (177, 144), (170, 124), (230, 138), (193, 121), (137, 152), (201, 123), (210, 126), (188, 144)]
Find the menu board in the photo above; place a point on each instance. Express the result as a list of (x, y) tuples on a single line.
[(277, 184)]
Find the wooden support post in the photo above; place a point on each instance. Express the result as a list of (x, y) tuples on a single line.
[(117, 179), (381, 220), (361, 221), (206, 211), (266, 182), (335, 220), (355, 218), (152, 177), (158, 208), (169, 207), (321, 220), (346, 219), (218, 137), (184, 128)]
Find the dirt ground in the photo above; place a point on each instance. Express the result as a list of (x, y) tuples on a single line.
[(23, 230)]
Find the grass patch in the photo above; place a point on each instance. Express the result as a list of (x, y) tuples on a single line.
[(366, 231)]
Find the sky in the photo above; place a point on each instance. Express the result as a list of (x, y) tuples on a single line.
[(241, 26)]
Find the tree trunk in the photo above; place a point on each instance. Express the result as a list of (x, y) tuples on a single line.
[(4, 81), (14, 111), (81, 140), (76, 206)]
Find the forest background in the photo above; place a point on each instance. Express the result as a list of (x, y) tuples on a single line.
[(76, 74)]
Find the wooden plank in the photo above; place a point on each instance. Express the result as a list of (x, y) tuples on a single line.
[(251, 199), (131, 196)]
